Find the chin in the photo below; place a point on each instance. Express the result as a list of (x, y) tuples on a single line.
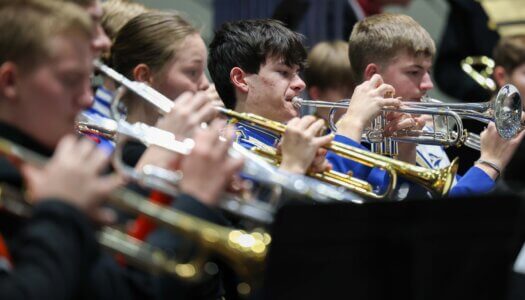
[(292, 114)]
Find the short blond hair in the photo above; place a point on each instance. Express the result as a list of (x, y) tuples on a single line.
[(328, 66), (117, 13), (379, 38), (510, 52), (28, 25)]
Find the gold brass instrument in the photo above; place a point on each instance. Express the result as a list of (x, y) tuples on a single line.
[(505, 110), (333, 177), (245, 251), (437, 182), (347, 181)]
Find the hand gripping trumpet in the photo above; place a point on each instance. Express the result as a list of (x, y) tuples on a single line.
[(245, 251), (437, 182)]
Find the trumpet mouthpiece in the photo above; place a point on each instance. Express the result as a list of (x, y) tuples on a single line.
[(296, 102)]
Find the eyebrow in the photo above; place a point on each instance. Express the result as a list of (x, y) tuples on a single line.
[(282, 64), (415, 66)]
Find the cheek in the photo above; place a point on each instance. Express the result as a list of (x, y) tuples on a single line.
[(174, 85), (268, 82), (50, 95), (397, 82)]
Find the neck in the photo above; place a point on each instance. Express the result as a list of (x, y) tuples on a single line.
[(140, 111), (240, 104)]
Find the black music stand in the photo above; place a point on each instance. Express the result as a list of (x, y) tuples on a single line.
[(431, 249)]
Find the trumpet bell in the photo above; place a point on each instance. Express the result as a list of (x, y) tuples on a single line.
[(507, 111), (447, 175)]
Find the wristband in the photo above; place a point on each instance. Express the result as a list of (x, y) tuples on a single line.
[(490, 164)]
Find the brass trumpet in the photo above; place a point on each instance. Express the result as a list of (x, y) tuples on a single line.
[(245, 251), (505, 110), (333, 177), (437, 182)]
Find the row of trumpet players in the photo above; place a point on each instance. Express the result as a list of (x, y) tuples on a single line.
[(156, 79)]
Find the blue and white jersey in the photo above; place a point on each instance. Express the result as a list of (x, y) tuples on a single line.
[(250, 136), (474, 182), (101, 103)]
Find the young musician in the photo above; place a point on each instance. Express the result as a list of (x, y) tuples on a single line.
[(164, 51), (182, 120), (401, 51), (255, 65)]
